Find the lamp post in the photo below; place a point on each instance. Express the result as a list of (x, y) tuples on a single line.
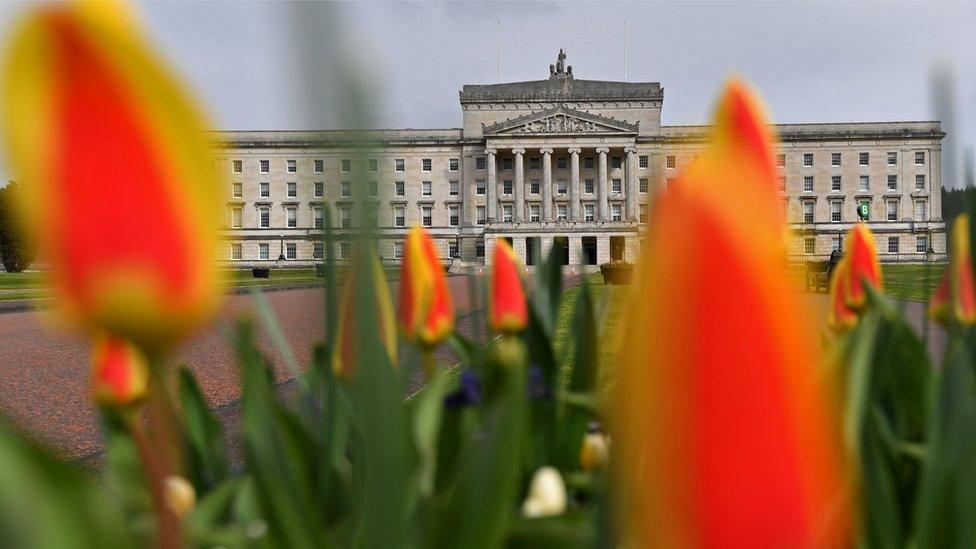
[(281, 251)]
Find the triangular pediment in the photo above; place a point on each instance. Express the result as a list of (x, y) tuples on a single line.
[(560, 120)]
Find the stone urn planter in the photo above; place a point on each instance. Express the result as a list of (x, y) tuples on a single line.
[(617, 272), (261, 272)]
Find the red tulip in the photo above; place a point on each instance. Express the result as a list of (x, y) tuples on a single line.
[(724, 428), (862, 267), (426, 313), (507, 309), (840, 317), (123, 198), (363, 269), (956, 293), (120, 372)]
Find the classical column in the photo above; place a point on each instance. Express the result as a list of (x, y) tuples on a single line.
[(631, 212), (574, 184), (546, 184), (602, 191), (492, 185), (519, 184)]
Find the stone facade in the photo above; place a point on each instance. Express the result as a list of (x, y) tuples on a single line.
[(559, 162)]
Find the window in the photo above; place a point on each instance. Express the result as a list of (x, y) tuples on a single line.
[(561, 163), (892, 182), (265, 189), (426, 164), (921, 211), (399, 165), (615, 162), (291, 250), (291, 214), (863, 159), (292, 166), (292, 189), (480, 187), (317, 250), (534, 186), (782, 183), (809, 245), (454, 188), (372, 165), (426, 188), (808, 211), (453, 164), (345, 217), (588, 162), (836, 209), (507, 163), (265, 166), (427, 215), (643, 213), (264, 216), (835, 159), (588, 214), (319, 166), (616, 213), (892, 158), (922, 243), (237, 166), (561, 187), (454, 216), (481, 215), (919, 158), (837, 243), (399, 216), (319, 189), (808, 183), (399, 188), (642, 161), (345, 189), (615, 185), (835, 182), (533, 212), (892, 244), (560, 212), (318, 219), (237, 217), (919, 182), (345, 165), (264, 251), (535, 163), (780, 160), (452, 249), (864, 183), (507, 187), (344, 249), (236, 252), (588, 186), (807, 160), (237, 190), (668, 183), (507, 213), (398, 250), (374, 188), (480, 162), (891, 209), (642, 185), (372, 214), (479, 249)]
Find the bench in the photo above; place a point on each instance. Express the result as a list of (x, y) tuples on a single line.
[(818, 275)]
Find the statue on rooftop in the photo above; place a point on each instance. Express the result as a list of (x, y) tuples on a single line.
[(560, 70)]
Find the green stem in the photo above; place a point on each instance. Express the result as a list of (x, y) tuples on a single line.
[(429, 361), (167, 523)]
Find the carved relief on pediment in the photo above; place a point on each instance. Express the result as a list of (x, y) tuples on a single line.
[(560, 121)]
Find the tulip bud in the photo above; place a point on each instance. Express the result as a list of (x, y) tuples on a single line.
[(547, 494), (862, 267), (956, 294), (120, 372), (507, 309), (426, 313), (180, 495), (344, 358), (595, 452), (840, 317)]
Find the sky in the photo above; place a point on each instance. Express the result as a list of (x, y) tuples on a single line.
[(260, 65)]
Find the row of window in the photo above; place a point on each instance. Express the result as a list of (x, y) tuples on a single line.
[(863, 159), (289, 250), (893, 244), (891, 210), (863, 183)]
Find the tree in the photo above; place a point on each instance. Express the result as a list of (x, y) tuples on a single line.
[(16, 253)]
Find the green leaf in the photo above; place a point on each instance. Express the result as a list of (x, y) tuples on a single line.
[(206, 452), (575, 528), (571, 421)]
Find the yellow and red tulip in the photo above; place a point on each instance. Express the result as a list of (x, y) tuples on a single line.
[(507, 311), (120, 372), (862, 267), (723, 425), (426, 313), (840, 317), (122, 195), (956, 294), (347, 343)]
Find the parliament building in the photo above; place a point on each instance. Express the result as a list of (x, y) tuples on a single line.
[(559, 162)]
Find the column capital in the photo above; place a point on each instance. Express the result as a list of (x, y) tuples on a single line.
[(574, 150), (491, 151), (518, 150), (603, 150), (630, 150), (545, 151)]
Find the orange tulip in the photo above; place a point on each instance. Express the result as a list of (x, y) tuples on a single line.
[(426, 313), (120, 372), (840, 317), (344, 358), (956, 294), (507, 310), (724, 428), (123, 195), (861, 257)]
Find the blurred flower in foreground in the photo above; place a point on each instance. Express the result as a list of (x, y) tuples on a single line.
[(722, 422), (426, 313), (955, 296), (594, 452), (180, 495), (547, 494), (507, 309), (344, 359), (120, 372), (122, 196), (859, 266)]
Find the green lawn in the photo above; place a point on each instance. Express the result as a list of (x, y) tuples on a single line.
[(914, 282)]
